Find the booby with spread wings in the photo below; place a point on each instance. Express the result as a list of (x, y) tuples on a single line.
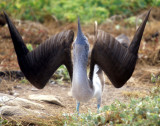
[(108, 55)]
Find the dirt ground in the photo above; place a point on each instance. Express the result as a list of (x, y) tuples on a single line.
[(138, 85)]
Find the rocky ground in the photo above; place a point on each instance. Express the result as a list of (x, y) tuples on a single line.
[(20, 100)]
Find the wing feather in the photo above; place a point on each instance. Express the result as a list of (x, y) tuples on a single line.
[(39, 64), (117, 61)]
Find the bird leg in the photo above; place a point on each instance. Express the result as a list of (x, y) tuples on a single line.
[(77, 108), (98, 104)]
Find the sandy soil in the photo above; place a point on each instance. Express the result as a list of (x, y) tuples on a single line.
[(139, 85)]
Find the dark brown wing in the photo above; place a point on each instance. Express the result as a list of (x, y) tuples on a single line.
[(117, 61), (39, 64)]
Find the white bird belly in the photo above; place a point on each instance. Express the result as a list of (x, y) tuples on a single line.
[(97, 86), (81, 89), (97, 83), (82, 94)]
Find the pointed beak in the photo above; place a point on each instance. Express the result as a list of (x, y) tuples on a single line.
[(79, 33), (80, 36)]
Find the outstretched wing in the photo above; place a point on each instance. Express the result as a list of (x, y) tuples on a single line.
[(39, 64), (117, 61)]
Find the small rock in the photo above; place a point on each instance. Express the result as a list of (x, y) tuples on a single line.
[(16, 101), (18, 111), (70, 93), (17, 87), (16, 94), (34, 89), (5, 98), (27, 103), (10, 110), (46, 98), (2, 20), (52, 82), (11, 93), (11, 74)]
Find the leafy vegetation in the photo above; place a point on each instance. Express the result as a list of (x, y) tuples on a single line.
[(142, 111), (155, 79), (3, 121), (68, 10), (29, 47), (62, 74)]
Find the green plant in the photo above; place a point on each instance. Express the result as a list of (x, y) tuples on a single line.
[(3, 121), (141, 111), (62, 74), (132, 21), (68, 10), (23, 81), (29, 46), (155, 79)]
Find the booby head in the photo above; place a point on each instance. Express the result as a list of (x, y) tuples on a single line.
[(81, 38), (81, 44)]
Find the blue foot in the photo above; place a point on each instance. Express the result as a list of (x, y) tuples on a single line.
[(77, 108), (98, 106)]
